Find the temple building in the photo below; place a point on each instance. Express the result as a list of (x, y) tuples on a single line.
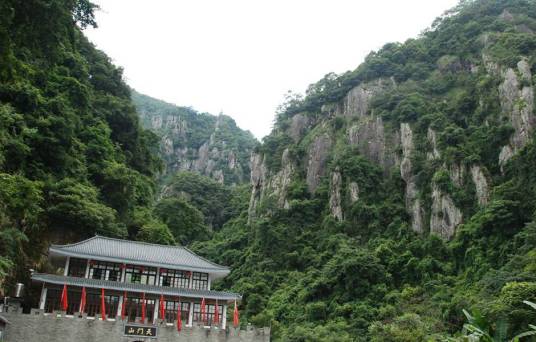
[(106, 279)]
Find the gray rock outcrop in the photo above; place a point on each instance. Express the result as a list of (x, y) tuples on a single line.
[(335, 202), (444, 215), (413, 203), (370, 138), (481, 185), (298, 124), (517, 103), (353, 189), (316, 161), (258, 179), (357, 102)]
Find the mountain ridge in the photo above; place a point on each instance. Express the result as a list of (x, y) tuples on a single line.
[(213, 146), (392, 197)]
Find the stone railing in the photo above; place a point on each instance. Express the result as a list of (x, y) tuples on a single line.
[(59, 327)]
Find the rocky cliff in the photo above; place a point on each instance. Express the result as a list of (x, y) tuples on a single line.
[(422, 129), (213, 146), (391, 197)]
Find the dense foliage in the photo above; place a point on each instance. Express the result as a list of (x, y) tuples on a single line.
[(74, 160), (370, 276)]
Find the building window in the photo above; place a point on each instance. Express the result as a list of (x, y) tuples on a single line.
[(53, 301), (140, 275), (77, 267), (93, 305), (134, 307), (171, 308), (210, 311), (174, 278), (200, 281), (104, 270)]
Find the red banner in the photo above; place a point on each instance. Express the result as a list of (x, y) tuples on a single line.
[(179, 319), (124, 306), (236, 315), (162, 308), (83, 300), (103, 306), (143, 305), (64, 303), (203, 311), (217, 314)]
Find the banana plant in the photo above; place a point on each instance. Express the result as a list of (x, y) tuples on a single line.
[(532, 327), (478, 329)]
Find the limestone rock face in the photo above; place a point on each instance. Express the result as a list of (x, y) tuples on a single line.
[(505, 155), (298, 124), (353, 188), (281, 180), (517, 103), (264, 184), (413, 204), (335, 205), (369, 136), (432, 139), (206, 144), (444, 216), (457, 174), (316, 161), (356, 103), (481, 184), (258, 179)]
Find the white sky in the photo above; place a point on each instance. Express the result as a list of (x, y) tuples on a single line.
[(241, 56)]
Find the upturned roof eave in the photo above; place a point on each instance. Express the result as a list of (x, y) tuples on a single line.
[(58, 250)]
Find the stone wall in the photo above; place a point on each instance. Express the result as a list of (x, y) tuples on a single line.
[(57, 327)]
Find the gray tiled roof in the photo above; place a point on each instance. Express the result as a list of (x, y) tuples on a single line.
[(142, 253), (139, 288)]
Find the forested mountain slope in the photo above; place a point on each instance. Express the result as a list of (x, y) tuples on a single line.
[(74, 160), (392, 197), (383, 203), (210, 145)]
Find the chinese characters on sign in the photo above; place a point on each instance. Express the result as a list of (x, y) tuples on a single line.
[(138, 330)]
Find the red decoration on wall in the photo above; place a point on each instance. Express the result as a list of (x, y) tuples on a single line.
[(103, 306), (124, 306), (63, 302), (143, 307), (217, 314), (236, 321), (83, 300), (203, 311), (162, 308), (179, 319), (92, 262)]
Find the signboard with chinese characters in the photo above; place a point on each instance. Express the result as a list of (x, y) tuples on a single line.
[(140, 330)]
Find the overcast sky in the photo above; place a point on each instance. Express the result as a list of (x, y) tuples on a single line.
[(240, 56)]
